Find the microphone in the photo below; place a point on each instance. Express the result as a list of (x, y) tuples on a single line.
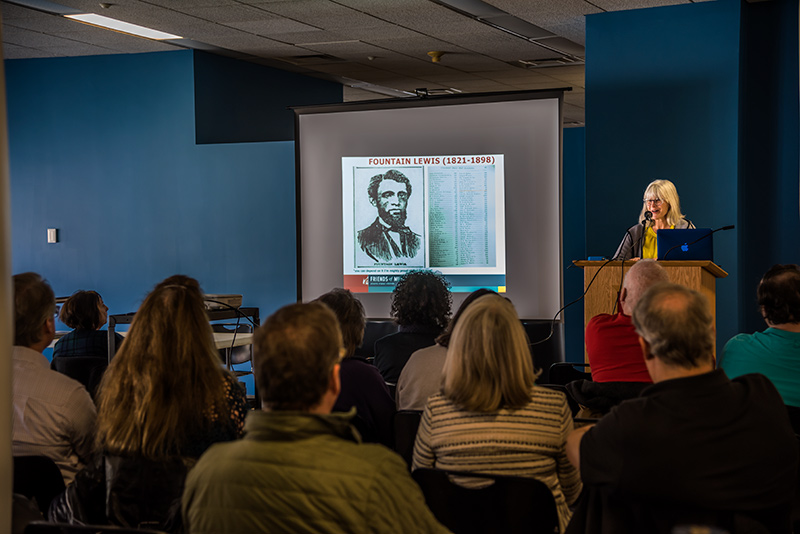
[(729, 227), (648, 216)]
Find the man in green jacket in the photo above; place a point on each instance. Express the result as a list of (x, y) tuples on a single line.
[(301, 469)]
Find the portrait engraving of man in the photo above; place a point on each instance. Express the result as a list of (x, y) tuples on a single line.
[(388, 239)]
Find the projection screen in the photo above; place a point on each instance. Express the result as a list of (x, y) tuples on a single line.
[(466, 185)]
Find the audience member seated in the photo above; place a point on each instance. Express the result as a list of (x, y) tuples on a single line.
[(612, 344), (300, 468), (612, 347), (490, 417), (775, 352), (696, 447), (86, 313), (363, 387), (53, 415), (422, 375), (420, 306), (163, 401)]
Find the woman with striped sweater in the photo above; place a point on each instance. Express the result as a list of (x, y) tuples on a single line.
[(490, 417)]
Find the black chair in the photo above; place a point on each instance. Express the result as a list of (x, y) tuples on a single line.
[(547, 344), (24, 511), (392, 390), (406, 423), (373, 331), (88, 370), (235, 355), (796, 500), (794, 418), (243, 354), (598, 398), (38, 478), (42, 527), (565, 372), (510, 505)]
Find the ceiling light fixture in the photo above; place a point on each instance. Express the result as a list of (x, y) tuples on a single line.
[(122, 27)]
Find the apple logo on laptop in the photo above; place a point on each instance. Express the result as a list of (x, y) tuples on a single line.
[(685, 247)]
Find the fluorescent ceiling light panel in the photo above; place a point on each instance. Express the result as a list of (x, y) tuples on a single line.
[(119, 26)]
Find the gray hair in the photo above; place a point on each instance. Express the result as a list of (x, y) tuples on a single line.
[(677, 323), (642, 275)]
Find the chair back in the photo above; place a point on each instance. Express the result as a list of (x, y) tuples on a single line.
[(796, 500), (373, 331), (565, 372), (42, 527), (510, 505), (406, 423), (39, 478), (392, 391), (235, 355), (794, 418), (88, 370)]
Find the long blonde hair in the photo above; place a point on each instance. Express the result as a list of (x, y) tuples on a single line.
[(666, 191), (489, 364), (165, 385)]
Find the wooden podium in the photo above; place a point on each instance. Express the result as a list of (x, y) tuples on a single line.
[(602, 296)]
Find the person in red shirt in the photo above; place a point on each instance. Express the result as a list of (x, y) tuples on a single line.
[(612, 344)]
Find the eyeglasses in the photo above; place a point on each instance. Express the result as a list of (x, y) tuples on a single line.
[(653, 201)]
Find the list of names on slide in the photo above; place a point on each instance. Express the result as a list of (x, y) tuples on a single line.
[(459, 215)]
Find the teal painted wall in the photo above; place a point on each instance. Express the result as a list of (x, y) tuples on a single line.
[(103, 148)]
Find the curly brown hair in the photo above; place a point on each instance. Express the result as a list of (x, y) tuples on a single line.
[(422, 298)]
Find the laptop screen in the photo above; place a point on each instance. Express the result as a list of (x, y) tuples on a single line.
[(685, 244)]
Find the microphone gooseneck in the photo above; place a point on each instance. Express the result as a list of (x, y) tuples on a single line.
[(648, 219)]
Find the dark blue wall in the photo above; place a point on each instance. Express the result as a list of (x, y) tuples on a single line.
[(769, 188), (103, 148), (238, 102), (662, 101), (574, 227)]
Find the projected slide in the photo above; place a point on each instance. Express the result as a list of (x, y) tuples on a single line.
[(444, 212)]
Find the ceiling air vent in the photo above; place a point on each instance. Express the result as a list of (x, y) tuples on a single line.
[(311, 59), (438, 92), (559, 61)]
